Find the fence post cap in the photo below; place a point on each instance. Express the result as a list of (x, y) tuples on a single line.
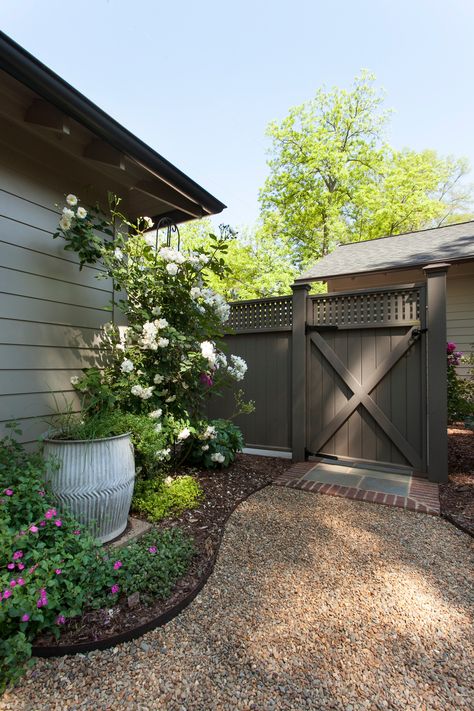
[(300, 287), (441, 267)]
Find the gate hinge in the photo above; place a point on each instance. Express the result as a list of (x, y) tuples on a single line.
[(329, 327)]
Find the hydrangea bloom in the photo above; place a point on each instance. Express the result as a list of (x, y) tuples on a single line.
[(172, 269), (158, 379), (238, 368), (184, 434), (155, 414), (171, 255), (141, 392), (205, 447), (209, 432), (217, 457), (163, 342)]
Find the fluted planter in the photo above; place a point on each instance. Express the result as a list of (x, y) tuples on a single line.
[(94, 480)]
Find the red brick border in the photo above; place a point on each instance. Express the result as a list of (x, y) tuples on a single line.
[(423, 495)]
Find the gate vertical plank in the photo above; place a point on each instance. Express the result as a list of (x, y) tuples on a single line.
[(398, 386), (298, 372), (383, 391), (354, 365), (341, 395), (369, 427)]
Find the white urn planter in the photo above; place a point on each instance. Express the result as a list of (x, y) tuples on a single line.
[(94, 480)]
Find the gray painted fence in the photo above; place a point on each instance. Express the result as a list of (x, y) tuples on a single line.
[(343, 374)]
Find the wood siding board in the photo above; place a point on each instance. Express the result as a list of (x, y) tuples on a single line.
[(13, 332), (17, 407), (47, 358), (16, 382), (23, 308)]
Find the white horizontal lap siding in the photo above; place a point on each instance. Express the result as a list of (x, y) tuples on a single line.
[(51, 314), (460, 314)]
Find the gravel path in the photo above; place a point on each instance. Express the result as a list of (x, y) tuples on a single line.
[(315, 603)]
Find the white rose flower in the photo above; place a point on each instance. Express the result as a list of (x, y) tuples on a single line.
[(148, 222), (184, 434), (161, 323), (169, 480), (147, 392), (156, 310), (172, 269), (118, 254), (150, 240), (136, 390), (203, 258), (171, 398), (238, 368), (205, 447), (158, 427), (126, 366), (163, 342), (68, 212), (81, 213), (221, 360), (158, 379), (208, 352), (195, 292), (74, 380), (209, 432), (217, 457), (71, 200), (155, 414), (65, 223)]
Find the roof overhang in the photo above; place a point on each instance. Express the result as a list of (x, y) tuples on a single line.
[(382, 270), (159, 182)]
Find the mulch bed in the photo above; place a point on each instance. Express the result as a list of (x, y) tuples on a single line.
[(223, 490), (457, 495)]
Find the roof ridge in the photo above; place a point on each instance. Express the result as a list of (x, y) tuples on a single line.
[(400, 234)]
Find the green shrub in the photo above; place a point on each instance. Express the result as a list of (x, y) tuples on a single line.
[(152, 565), (50, 567), (216, 444), (161, 499)]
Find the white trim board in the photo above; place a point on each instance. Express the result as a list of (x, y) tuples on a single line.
[(267, 452)]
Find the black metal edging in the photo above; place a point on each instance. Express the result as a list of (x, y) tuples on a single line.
[(84, 647), (453, 522)]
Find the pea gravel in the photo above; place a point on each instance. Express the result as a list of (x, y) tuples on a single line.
[(316, 602)]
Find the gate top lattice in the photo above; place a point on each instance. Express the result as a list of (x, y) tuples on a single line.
[(384, 307)]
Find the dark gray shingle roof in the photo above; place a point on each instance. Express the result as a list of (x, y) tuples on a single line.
[(440, 244)]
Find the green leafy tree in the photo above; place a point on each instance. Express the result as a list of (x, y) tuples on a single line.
[(334, 179), (257, 262)]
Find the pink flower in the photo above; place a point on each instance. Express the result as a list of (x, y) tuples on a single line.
[(58, 522), (25, 618), (60, 620), (41, 493), (39, 603), (6, 593), (152, 549), (8, 492), (20, 581), (12, 583), (50, 513), (20, 566), (77, 533), (58, 571), (206, 380), (11, 566), (114, 589), (34, 529), (117, 564), (42, 523), (17, 554), (43, 592), (22, 533)]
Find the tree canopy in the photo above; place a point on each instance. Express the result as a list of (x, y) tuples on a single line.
[(334, 178)]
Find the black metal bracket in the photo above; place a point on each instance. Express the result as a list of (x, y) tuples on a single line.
[(309, 328), (308, 453), (418, 331)]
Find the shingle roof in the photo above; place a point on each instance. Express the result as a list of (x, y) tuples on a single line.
[(440, 244)]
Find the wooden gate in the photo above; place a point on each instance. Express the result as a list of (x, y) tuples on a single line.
[(366, 376)]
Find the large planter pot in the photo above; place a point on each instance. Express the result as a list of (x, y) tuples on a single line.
[(94, 480)]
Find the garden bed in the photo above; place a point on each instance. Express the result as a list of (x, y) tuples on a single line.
[(457, 495), (224, 490)]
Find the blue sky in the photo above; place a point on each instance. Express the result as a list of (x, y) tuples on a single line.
[(199, 81)]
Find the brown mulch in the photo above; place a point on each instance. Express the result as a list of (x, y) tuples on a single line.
[(223, 490), (457, 495)]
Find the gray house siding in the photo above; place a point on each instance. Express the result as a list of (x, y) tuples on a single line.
[(50, 312), (460, 314)]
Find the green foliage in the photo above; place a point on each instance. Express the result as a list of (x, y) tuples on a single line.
[(460, 390), (162, 499), (50, 567), (216, 444), (257, 263), (334, 179), (152, 565)]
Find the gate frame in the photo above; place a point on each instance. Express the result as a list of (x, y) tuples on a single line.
[(435, 394)]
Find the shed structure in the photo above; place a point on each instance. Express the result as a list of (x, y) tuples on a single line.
[(54, 141)]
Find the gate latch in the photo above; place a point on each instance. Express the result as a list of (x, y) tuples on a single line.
[(416, 333)]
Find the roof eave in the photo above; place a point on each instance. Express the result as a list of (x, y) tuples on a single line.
[(24, 67)]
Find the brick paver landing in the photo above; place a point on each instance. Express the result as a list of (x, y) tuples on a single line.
[(378, 487)]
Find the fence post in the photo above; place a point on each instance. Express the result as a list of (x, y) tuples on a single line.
[(437, 390), (298, 372)]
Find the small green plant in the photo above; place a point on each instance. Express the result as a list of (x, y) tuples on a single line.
[(216, 444), (162, 499), (152, 565), (460, 390)]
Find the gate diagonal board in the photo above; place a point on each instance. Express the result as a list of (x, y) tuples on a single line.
[(361, 396)]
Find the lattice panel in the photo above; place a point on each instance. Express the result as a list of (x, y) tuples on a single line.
[(391, 308), (261, 314)]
